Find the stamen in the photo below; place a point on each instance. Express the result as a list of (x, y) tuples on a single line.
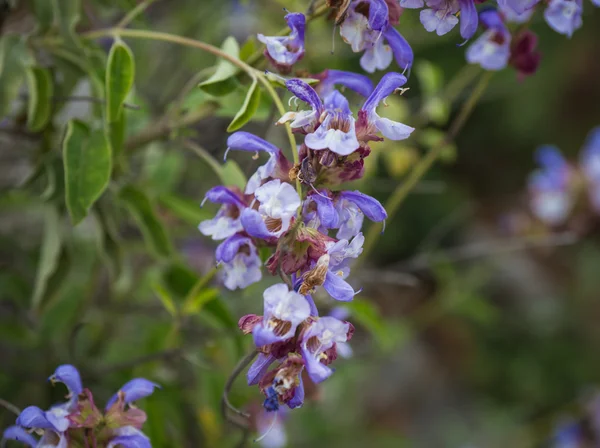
[(320, 194), (290, 101), (225, 155), (383, 228), (203, 202), (271, 426), (286, 10), (255, 156)]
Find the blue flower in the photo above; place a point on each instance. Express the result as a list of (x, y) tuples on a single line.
[(284, 310), (285, 51), (276, 166), (133, 390), (550, 187), (370, 122), (129, 437), (20, 435), (241, 265), (337, 130), (492, 49), (307, 120), (317, 345), (330, 78), (227, 220), (564, 16), (442, 15), (278, 204), (367, 28)]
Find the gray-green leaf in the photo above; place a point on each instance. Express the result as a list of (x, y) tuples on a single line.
[(120, 73), (40, 88), (87, 163), (248, 108), (222, 81), (49, 254), (154, 232)]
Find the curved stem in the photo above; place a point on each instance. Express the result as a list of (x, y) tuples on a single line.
[(251, 71), (225, 403), (425, 163)]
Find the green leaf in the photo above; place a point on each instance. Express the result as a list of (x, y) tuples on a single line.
[(49, 254), (195, 304), (120, 74), (116, 135), (39, 109), (13, 57), (232, 175), (248, 108), (43, 10), (67, 14), (165, 299), (87, 165), (185, 209), (154, 232), (222, 82), (248, 48)]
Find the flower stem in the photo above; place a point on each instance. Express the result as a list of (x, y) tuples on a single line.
[(402, 191), (134, 13), (225, 403)]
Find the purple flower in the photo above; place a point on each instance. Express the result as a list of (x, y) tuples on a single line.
[(133, 390), (337, 272), (441, 15), (278, 204), (320, 212), (518, 7), (284, 310), (227, 220), (371, 123), (366, 27), (353, 81), (241, 265), (317, 343), (20, 435), (285, 51), (303, 121), (69, 376), (549, 188), (492, 49), (352, 206), (244, 141), (129, 437), (564, 16), (337, 131), (515, 16), (35, 418)]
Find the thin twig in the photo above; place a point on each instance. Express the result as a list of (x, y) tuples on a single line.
[(9, 406), (225, 403), (129, 17)]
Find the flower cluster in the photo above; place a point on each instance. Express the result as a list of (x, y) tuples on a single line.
[(556, 187), (313, 231), (496, 48), (79, 423)]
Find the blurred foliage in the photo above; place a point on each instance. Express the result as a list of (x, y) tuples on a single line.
[(109, 145)]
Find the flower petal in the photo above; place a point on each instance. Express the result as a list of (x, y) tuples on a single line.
[(378, 15), (400, 47), (298, 399), (326, 211), (20, 435), (134, 390), (258, 368), (254, 224), (33, 417), (370, 206), (361, 84), (377, 57), (305, 93), (229, 248), (388, 84), (245, 141), (468, 18), (129, 437), (338, 288), (223, 195), (69, 376)]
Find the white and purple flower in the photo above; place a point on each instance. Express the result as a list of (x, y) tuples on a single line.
[(441, 16), (285, 51), (227, 220), (239, 260), (492, 49)]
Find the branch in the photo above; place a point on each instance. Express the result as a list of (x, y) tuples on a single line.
[(226, 404)]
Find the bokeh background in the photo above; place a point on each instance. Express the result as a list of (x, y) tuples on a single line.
[(471, 331)]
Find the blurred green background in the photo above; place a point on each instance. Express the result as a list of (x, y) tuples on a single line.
[(467, 335)]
